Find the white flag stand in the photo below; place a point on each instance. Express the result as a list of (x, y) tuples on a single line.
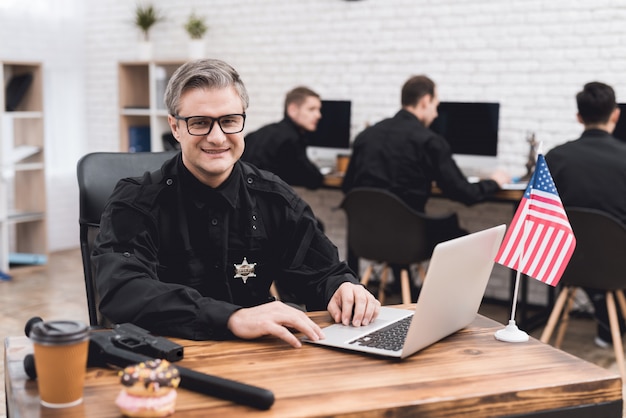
[(511, 333)]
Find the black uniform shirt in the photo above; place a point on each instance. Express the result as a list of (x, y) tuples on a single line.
[(281, 148), (590, 172), (172, 253), (401, 155)]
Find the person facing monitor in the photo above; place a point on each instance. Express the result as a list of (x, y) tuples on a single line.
[(402, 155), (281, 147)]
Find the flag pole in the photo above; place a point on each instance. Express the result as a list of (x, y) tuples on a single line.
[(515, 292), (511, 333)]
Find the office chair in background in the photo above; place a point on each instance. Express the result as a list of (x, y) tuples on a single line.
[(384, 229), (98, 173), (598, 262)]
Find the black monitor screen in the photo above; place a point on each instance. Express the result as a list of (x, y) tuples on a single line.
[(333, 130), (620, 128), (469, 128)]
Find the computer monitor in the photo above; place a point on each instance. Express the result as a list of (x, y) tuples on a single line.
[(333, 129), (471, 129), (332, 136), (620, 128)]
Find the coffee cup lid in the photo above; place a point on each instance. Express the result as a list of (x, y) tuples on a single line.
[(59, 332)]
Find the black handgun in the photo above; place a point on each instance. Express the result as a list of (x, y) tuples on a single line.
[(106, 351), (138, 340)]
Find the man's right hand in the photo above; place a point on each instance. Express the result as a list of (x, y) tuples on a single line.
[(273, 318)]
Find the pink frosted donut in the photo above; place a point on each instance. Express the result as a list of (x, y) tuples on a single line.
[(149, 389)]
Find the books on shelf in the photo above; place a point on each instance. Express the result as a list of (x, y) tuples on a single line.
[(139, 138)]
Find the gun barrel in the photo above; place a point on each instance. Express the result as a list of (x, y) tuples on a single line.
[(226, 389)]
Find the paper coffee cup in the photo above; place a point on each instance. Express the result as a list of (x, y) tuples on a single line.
[(61, 349), (342, 163)]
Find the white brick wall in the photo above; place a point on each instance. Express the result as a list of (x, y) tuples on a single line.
[(531, 56)]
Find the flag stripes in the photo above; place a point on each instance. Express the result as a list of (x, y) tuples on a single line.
[(540, 240)]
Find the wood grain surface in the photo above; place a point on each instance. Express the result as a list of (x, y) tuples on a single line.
[(468, 374)]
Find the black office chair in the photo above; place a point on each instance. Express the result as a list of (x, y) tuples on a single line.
[(598, 262), (383, 229), (98, 173)]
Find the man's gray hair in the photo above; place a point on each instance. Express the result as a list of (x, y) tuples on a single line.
[(203, 73)]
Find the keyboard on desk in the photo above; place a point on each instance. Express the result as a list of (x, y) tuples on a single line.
[(515, 185), (391, 337)]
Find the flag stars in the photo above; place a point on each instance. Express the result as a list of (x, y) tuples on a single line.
[(544, 181)]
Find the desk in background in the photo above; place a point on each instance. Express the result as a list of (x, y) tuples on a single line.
[(468, 374), (335, 179)]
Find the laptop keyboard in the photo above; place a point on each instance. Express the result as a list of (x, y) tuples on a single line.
[(390, 337)]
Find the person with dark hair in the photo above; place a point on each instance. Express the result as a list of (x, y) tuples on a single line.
[(590, 172), (191, 250), (402, 155), (281, 147)]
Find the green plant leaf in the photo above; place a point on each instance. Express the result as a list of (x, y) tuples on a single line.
[(146, 17), (195, 26)]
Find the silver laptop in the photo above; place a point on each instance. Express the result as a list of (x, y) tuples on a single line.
[(453, 289), (520, 185)]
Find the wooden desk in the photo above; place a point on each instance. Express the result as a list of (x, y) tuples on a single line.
[(333, 180), (468, 374)]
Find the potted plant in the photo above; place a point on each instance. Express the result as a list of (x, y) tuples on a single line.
[(196, 28), (145, 18)]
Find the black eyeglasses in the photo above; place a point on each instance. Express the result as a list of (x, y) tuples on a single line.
[(202, 125)]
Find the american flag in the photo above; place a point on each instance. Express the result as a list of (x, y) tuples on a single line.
[(539, 241)]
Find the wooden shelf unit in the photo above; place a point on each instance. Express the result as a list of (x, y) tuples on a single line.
[(22, 170), (141, 88)]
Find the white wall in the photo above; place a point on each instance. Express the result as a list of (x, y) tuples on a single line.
[(531, 56)]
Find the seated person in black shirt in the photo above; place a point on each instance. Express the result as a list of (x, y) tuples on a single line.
[(590, 172), (281, 147), (402, 155), (191, 250)]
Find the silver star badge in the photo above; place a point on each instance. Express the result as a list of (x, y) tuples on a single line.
[(244, 270)]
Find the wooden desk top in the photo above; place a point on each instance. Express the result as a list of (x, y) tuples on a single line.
[(468, 374), (505, 196), (334, 180)]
